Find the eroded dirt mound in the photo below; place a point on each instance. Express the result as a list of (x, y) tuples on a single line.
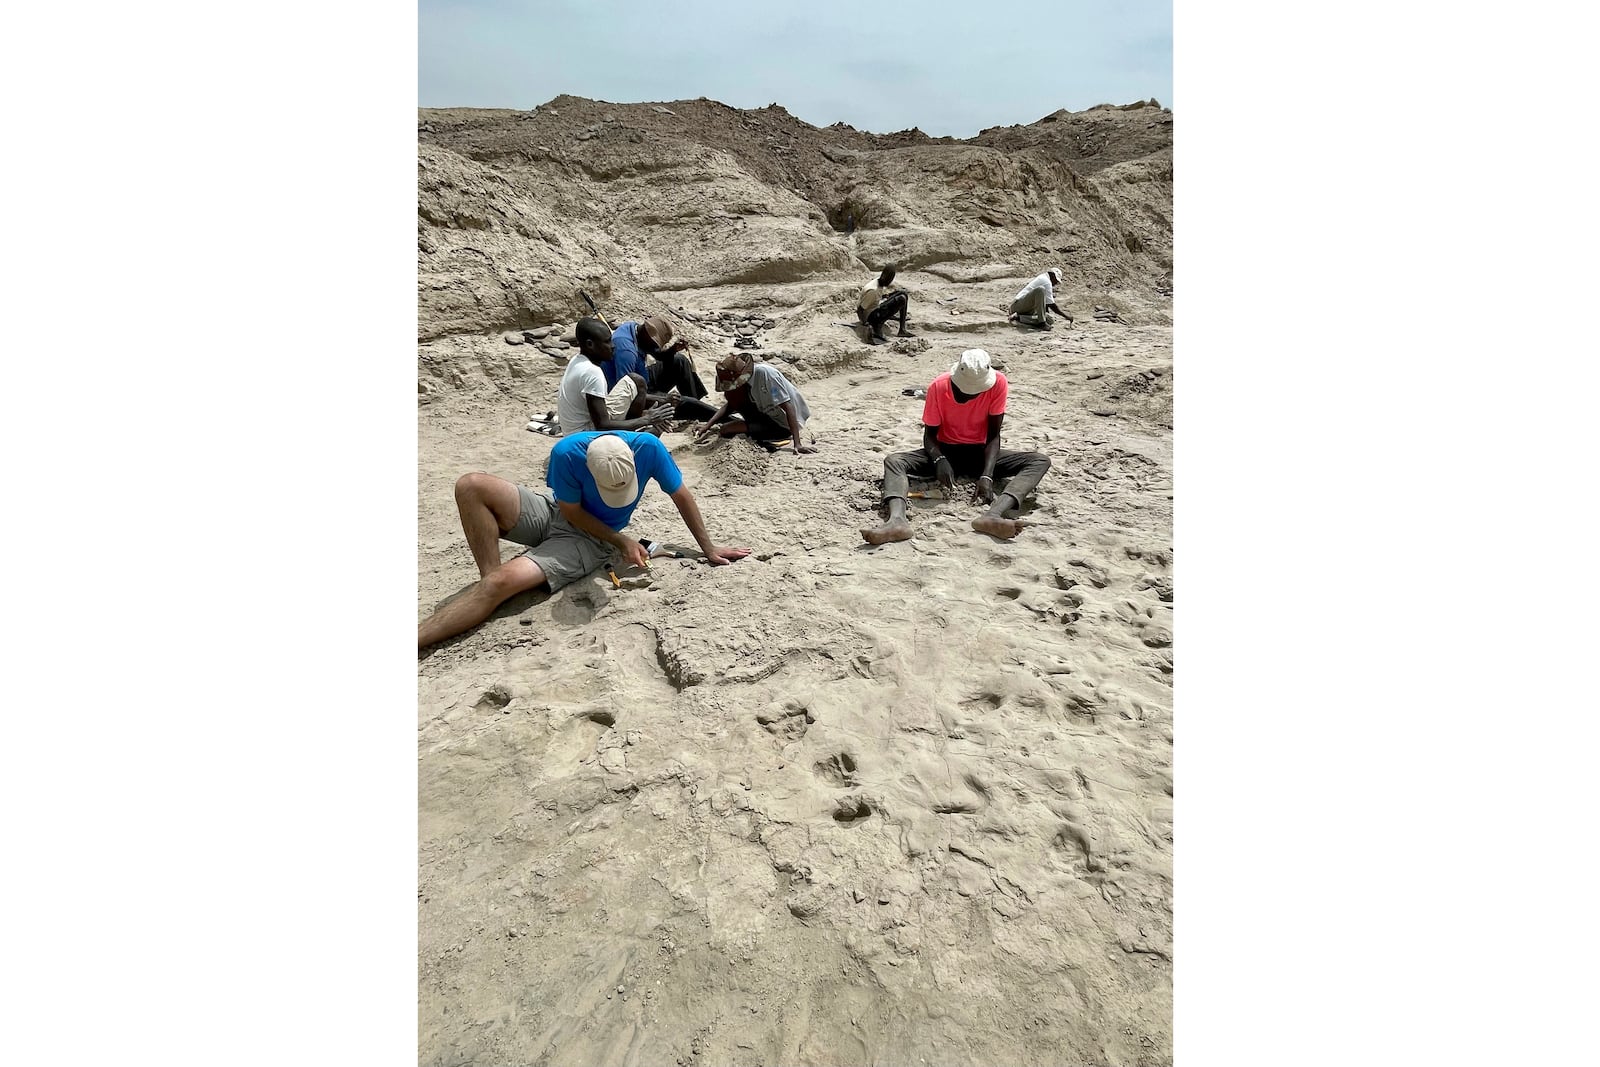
[(519, 209)]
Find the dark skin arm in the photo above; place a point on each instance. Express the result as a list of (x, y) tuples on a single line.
[(1058, 311), (942, 468), (722, 413), (657, 417), (984, 491), (794, 429)]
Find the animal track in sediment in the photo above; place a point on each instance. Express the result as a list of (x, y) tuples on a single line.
[(1071, 845), (575, 741), (786, 722), (984, 702), (494, 698), (974, 800), (851, 810), (838, 769)]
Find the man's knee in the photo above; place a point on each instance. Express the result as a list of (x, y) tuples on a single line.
[(510, 578), (474, 486), (899, 462)]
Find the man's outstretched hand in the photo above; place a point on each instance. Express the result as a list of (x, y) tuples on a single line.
[(634, 555), (983, 492), (659, 415), (722, 555)]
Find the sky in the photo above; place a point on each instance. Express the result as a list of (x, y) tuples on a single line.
[(950, 69)]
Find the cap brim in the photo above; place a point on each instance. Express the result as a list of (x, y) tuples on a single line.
[(620, 498)]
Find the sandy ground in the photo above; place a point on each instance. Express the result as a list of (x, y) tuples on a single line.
[(835, 803)]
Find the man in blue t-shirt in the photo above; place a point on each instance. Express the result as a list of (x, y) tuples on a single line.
[(596, 479), (673, 368)]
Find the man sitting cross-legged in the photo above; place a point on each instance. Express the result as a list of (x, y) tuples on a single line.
[(961, 421), (598, 480), (586, 402), (671, 375)]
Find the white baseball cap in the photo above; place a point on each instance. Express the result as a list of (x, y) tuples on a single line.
[(610, 461)]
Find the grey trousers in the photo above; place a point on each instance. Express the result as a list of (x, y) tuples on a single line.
[(1015, 473), (1032, 308)]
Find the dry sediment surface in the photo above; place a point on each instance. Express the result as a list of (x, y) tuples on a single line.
[(834, 803)]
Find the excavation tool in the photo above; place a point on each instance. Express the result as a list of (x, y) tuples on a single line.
[(587, 299)]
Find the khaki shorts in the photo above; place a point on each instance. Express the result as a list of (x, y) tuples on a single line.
[(620, 399), (564, 552)]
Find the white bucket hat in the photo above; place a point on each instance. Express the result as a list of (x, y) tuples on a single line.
[(610, 461), (1057, 272), (972, 373)]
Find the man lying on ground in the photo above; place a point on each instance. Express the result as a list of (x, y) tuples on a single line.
[(597, 480), (879, 303), (585, 402), (760, 401), (961, 420), (1036, 298)]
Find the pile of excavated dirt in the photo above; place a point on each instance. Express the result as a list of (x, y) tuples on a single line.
[(834, 803)]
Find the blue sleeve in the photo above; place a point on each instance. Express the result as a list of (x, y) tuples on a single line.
[(626, 359), (661, 468), (562, 476)]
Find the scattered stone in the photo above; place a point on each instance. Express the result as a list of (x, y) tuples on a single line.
[(541, 333), (1103, 411), (1097, 374), (513, 338)]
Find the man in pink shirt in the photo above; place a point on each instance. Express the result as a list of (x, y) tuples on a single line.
[(961, 436)]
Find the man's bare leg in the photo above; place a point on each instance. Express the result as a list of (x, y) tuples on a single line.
[(478, 603), (994, 523), (489, 507), (898, 528)]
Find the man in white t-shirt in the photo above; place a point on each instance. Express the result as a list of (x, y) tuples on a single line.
[(1038, 297), (879, 303), (583, 402)]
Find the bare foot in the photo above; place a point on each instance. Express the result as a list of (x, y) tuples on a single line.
[(889, 531), (995, 526)]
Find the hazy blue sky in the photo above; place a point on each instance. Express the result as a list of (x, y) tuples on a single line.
[(950, 68)]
